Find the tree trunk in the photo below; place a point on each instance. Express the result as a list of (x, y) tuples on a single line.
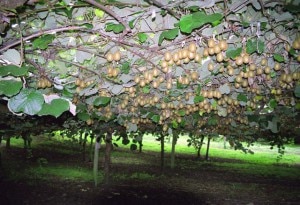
[(96, 160), (91, 147), (140, 147), (207, 150), (107, 159), (174, 141), (200, 146), (84, 146), (162, 152), (7, 146)]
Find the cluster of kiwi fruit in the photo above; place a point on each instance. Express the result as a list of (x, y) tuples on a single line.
[(184, 55), (113, 57), (81, 84), (148, 77), (43, 82)]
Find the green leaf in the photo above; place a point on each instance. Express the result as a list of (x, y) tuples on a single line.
[(181, 113), (142, 37), (83, 116), (192, 21), (55, 108), (272, 103), (28, 101), (169, 35), (146, 89), (155, 118), (43, 41), (242, 97), (212, 121), (99, 13), (88, 25), (13, 70), (131, 25), (279, 58), (116, 28), (101, 101), (260, 46), (251, 46), (174, 124), (10, 87), (198, 98), (125, 67), (233, 53), (297, 91)]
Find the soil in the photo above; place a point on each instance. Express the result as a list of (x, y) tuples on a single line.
[(185, 184)]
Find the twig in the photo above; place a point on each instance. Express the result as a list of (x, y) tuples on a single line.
[(80, 66), (157, 3), (37, 34), (110, 12)]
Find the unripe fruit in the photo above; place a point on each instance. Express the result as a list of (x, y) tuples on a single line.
[(184, 53), (217, 49), (109, 57), (239, 60), (267, 70), (252, 67), (220, 57), (277, 66), (197, 58), (191, 55), (223, 45), (211, 43), (210, 67), (246, 59), (194, 75), (296, 44), (175, 57), (211, 51), (263, 62), (117, 56), (168, 56), (164, 64), (192, 47)]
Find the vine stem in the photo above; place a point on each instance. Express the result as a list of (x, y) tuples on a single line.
[(110, 12), (37, 34)]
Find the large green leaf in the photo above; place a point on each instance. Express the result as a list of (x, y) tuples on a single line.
[(28, 101), (190, 22), (43, 41), (13, 70), (10, 87), (55, 108), (101, 101), (169, 35)]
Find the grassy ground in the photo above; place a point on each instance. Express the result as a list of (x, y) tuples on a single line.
[(228, 178)]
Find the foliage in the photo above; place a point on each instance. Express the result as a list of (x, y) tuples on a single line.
[(226, 67)]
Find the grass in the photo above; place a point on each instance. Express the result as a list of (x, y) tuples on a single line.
[(262, 163)]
